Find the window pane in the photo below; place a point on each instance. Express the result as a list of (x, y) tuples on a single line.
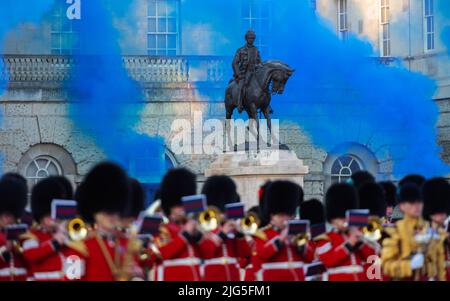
[(152, 52), (66, 40), (152, 25), (172, 41), (172, 25), (56, 24), (55, 40), (161, 52), (151, 41), (245, 10), (162, 25), (431, 7), (151, 8), (172, 9), (162, 9), (66, 25), (161, 41), (172, 52)]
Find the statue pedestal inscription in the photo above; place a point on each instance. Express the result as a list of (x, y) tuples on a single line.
[(250, 170)]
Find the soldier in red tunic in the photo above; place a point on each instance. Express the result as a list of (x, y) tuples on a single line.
[(13, 199), (280, 258), (102, 198), (181, 246), (343, 250), (229, 245), (46, 247)]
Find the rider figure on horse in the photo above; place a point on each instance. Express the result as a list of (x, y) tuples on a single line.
[(245, 63)]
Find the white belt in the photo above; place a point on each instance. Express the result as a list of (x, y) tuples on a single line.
[(282, 265), (12, 271), (349, 269), (181, 261), (221, 260), (48, 275)]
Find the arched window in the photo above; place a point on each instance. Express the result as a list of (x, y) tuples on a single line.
[(41, 168), (344, 167)]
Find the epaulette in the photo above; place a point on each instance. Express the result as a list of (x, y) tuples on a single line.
[(79, 246)]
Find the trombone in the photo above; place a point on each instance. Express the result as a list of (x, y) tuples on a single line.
[(373, 231), (210, 219), (250, 223), (77, 229)]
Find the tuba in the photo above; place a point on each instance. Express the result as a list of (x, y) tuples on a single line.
[(250, 223)]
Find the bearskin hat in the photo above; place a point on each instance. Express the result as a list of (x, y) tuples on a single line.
[(409, 192), (436, 197), (136, 202), (361, 177), (282, 197), (416, 179), (390, 193), (43, 194), (340, 198), (219, 191), (68, 188), (106, 188), (13, 197), (372, 197), (314, 211), (177, 183)]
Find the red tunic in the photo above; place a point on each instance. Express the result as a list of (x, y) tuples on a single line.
[(343, 264), (223, 260), (280, 261), (12, 264), (45, 262), (179, 259), (101, 264)]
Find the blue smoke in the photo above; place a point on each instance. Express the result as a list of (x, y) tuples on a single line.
[(12, 13), (340, 93), (105, 101)]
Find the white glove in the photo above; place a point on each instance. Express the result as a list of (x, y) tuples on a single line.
[(417, 261)]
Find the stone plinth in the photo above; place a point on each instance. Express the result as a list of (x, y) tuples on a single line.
[(251, 170)]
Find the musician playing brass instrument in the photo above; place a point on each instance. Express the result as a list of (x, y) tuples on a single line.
[(406, 253), (47, 246)]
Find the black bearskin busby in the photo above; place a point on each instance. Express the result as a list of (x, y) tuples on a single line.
[(340, 198), (106, 188), (219, 191), (43, 194), (177, 183), (13, 197), (436, 197), (390, 193), (282, 197), (361, 177), (416, 179), (372, 197), (136, 202), (68, 188), (314, 211), (409, 192)]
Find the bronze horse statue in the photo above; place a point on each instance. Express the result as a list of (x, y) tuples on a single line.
[(269, 79)]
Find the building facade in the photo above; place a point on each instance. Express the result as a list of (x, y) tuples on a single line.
[(175, 59)]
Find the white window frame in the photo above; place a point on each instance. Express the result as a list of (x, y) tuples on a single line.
[(42, 169), (341, 178), (163, 33), (385, 29), (426, 30), (342, 19)]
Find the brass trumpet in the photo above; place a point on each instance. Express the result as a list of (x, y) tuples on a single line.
[(210, 219), (250, 223), (301, 240), (373, 231), (77, 229)]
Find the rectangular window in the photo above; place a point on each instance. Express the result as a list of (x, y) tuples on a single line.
[(429, 24), (256, 15), (163, 27), (385, 38), (342, 19), (64, 36)]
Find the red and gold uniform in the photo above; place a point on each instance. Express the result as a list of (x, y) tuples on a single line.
[(343, 262), (12, 264), (280, 261), (180, 254), (223, 259), (46, 258)]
